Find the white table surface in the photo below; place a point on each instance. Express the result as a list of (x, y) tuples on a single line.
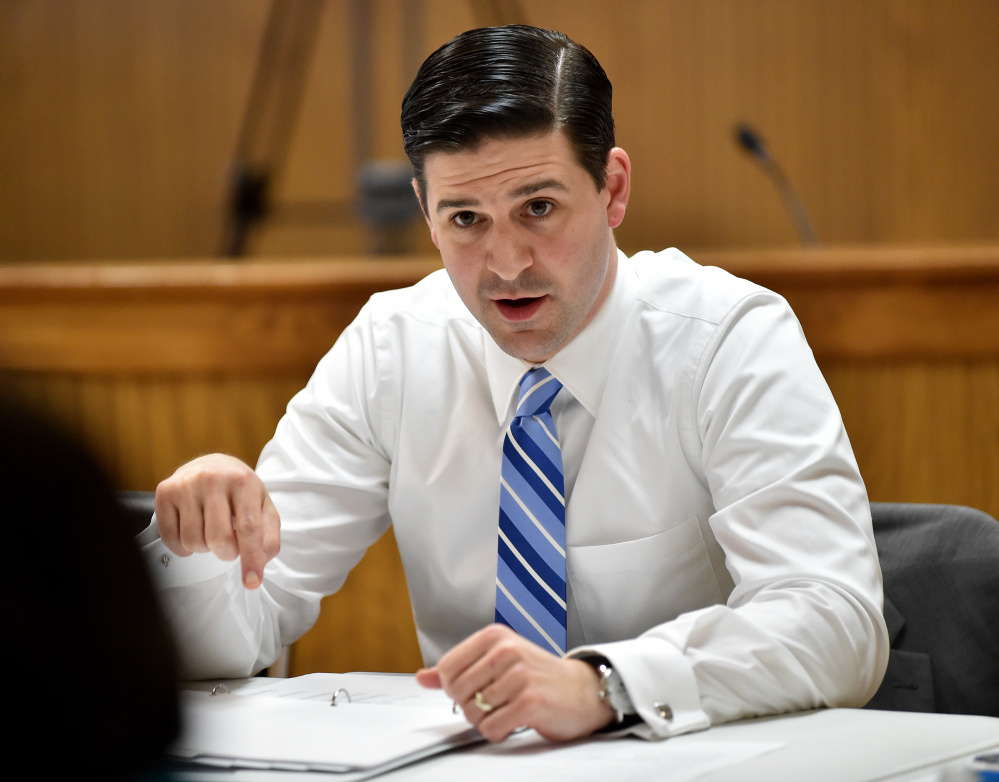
[(831, 745), (834, 745)]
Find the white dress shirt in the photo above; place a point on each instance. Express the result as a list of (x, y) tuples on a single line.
[(719, 542)]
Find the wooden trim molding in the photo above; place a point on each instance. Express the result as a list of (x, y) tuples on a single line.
[(884, 303), (186, 317), (865, 303)]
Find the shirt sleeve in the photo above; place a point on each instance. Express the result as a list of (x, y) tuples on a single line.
[(803, 627), (327, 475)]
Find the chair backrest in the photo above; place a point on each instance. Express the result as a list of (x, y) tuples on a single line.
[(941, 576), (138, 507)]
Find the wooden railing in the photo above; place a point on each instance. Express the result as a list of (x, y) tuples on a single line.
[(154, 363), (186, 317)]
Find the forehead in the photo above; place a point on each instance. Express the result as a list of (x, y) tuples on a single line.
[(501, 167)]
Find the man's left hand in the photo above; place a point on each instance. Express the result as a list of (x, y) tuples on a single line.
[(519, 685)]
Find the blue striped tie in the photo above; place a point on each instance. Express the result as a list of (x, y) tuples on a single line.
[(530, 572)]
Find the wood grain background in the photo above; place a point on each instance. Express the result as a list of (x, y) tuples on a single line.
[(120, 119)]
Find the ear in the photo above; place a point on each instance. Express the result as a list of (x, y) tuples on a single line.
[(618, 186), (433, 232)]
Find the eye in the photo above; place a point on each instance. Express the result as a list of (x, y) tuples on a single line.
[(540, 208), (464, 219)]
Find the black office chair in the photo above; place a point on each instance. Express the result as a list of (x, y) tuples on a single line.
[(138, 507), (941, 577)]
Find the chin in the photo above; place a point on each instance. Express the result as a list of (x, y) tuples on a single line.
[(530, 350)]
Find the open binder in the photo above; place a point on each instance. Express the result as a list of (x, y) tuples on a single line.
[(351, 725)]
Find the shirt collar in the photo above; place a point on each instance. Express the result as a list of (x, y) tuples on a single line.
[(581, 366)]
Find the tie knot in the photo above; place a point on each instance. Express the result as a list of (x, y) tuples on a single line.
[(538, 388)]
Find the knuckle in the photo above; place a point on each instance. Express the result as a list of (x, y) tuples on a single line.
[(164, 488), (240, 481), (507, 654), (167, 496), (209, 481), (533, 700), (245, 523), (272, 547), (518, 674), (221, 545), (192, 540), (495, 632), (508, 647), (225, 553)]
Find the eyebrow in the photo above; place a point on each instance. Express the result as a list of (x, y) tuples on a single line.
[(455, 203), (535, 187), (521, 192)]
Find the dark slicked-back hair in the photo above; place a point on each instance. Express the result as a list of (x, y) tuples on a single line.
[(508, 82)]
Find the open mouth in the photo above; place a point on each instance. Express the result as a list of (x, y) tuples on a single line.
[(518, 303), (519, 309)]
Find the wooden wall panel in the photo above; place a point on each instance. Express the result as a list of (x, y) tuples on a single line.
[(923, 431), (120, 118), (143, 428), (367, 625), (118, 121)]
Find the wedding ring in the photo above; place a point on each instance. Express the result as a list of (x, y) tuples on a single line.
[(482, 703)]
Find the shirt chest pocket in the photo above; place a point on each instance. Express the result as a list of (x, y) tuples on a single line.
[(622, 589)]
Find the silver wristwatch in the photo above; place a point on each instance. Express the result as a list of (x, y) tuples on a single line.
[(612, 691)]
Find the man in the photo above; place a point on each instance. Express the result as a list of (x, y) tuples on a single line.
[(684, 501)]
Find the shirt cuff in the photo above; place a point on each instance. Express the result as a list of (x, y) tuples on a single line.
[(168, 570), (660, 683)]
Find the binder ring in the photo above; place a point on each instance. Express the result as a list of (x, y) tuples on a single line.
[(340, 693)]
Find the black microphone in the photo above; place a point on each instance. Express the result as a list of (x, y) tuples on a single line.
[(750, 141)]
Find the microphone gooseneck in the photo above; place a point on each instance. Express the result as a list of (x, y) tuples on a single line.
[(751, 142)]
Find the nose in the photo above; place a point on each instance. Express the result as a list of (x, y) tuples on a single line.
[(507, 254)]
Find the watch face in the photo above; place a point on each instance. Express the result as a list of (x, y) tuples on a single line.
[(613, 692)]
